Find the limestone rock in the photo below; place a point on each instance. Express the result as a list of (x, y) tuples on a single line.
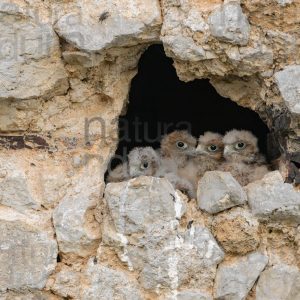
[(178, 20), (16, 190), (289, 86), (193, 254), (30, 181), (107, 283), (235, 278), (67, 283), (98, 26), (228, 23), (28, 251), (279, 282), (284, 2), (33, 295), (30, 64), (218, 191), (138, 202), (76, 228), (184, 48), (192, 295), (257, 57), (271, 197), (236, 231), (145, 212)]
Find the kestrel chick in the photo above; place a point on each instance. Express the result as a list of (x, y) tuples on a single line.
[(209, 152), (178, 146), (241, 146), (207, 157), (242, 156), (176, 150), (143, 161)]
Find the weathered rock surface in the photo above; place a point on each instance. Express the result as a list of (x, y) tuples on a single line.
[(98, 26), (95, 281), (155, 244), (108, 283), (280, 282), (67, 283), (272, 198), (218, 191), (28, 250), (76, 228), (28, 182), (228, 23), (192, 295), (136, 203), (289, 87), (179, 43), (145, 212), (32, 295), (235, 278), (237, 231), (16, 190), (30, 52)]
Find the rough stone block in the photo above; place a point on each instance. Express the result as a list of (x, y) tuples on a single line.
[(136, 203), (107, 283), (28, 250), (104, 25), (272, 198), (289, 87), (228, 23), (218, 191), (76, 229), (279, 282), (191, 295), (237, 231), (146, 213), (30, 63), (235, 278)]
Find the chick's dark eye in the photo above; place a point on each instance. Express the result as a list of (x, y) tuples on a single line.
[(181, 145), (145, 165), (213, 148), (240, 145)]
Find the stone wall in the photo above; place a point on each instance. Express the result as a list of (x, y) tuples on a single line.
[(65, 73)]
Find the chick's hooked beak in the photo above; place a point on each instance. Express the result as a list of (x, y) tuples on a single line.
[(226, 150), (200, 150)]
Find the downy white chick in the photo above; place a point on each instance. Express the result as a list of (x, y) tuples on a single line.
[(141, 161)]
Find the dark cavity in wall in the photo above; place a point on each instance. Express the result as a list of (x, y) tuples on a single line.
[(160, 103)]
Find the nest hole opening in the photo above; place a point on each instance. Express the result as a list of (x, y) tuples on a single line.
[(160, 103)]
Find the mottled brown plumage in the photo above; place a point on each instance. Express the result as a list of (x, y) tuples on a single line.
[(176, 150), (178, 146), (242, 157), (207, 157), (209, 152)]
